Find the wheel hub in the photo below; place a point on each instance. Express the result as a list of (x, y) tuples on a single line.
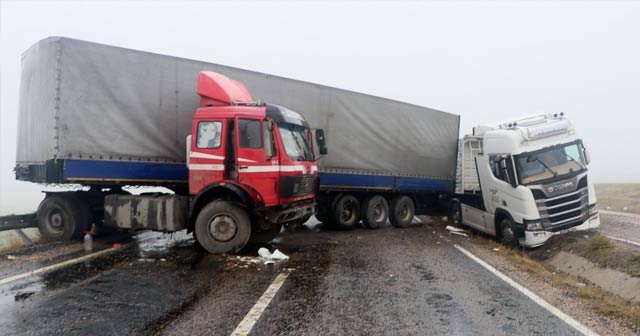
[(507, 235), (56, 220), (347, 213), (456, 216), (223, 228), (404, 212), (378, 213)]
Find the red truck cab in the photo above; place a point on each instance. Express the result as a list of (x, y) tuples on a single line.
[(251, 166)]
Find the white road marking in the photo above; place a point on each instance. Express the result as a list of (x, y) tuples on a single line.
[(71, 262), (535, 298), (60, 265), (256, 311), (624, 240)]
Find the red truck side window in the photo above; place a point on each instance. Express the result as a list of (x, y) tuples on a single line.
[(249, 133), (209, 133)]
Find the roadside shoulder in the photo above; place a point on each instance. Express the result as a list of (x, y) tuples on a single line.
[(600, 311)]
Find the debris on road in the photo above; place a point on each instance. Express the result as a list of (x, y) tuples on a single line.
[(496, 249), (11, 257), (276, 255), (88, 241), (454, 229), (459, 233)]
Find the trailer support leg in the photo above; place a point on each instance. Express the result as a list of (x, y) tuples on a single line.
[(24, 237)]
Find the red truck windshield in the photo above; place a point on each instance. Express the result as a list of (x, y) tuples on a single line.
[(295, 141)]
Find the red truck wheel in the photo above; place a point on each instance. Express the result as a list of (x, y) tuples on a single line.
[(222, 227)]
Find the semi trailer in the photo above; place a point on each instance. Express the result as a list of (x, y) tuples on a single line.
[(106, 117), (524, 180)]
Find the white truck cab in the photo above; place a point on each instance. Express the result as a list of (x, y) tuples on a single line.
[(524, 180)]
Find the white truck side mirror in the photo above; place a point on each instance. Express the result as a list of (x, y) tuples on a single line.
[(587, 156)]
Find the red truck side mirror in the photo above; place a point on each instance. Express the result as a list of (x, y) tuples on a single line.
[(322, 145)]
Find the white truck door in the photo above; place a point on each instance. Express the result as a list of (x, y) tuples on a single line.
[(496, 187)]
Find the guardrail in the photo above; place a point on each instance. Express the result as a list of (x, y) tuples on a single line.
[(16, 222)]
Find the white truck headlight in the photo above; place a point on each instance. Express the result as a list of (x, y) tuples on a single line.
[(533, 225), (593, 210)]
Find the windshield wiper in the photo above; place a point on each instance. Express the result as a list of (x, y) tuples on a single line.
[(301, 145), (536, 158)]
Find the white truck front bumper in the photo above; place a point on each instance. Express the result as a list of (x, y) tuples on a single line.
[(537, 238)]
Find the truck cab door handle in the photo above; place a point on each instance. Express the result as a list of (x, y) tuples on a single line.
[(243, 167)]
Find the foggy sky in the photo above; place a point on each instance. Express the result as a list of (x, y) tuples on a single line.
[(483, 61)]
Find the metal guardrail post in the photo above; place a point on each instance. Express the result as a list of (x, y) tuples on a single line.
[(24, 237)]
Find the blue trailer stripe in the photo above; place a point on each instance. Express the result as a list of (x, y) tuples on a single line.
[(356, 181), (93, 170), (361, 181), (423, 184)]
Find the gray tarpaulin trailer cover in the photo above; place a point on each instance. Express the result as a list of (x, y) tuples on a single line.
[(88, 102)]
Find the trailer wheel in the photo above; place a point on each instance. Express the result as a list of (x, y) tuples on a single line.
[(507, 234), (265, 236), (222, 227), (324, 212), (402, 211), (346, 212), (456, 214), (62, 218), (375, 212)]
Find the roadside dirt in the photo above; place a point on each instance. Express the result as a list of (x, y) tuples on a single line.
[(606, 253), (619, 197), (610, 280)]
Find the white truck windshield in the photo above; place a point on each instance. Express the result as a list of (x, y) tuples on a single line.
[(550, 163), (296, 143)]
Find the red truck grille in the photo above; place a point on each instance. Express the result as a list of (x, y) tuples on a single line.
[(291, 186)]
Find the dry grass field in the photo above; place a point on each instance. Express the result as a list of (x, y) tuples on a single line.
[(623, 197)]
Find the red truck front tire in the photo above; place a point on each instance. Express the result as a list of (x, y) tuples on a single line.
[(222, 227)]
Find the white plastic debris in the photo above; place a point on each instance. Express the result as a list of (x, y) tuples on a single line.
[(279, 255), (276, 255), (496, 249), (263, 252), (11, 257), (454, 229), (459, 233)]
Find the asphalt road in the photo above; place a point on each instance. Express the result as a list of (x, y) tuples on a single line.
[(362, 282)]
